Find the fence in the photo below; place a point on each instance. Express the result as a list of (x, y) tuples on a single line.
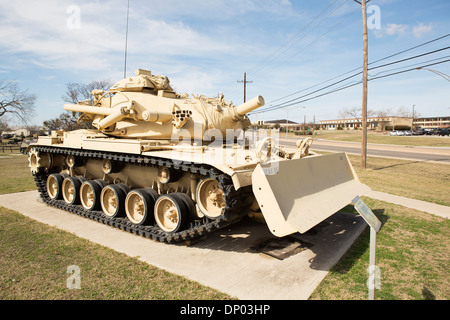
[(9, 147)]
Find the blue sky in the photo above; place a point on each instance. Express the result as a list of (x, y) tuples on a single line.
[(205, 47)]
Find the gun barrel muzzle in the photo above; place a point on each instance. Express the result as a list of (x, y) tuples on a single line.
[(250, 105)]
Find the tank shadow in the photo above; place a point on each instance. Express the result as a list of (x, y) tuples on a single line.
[(327, 241)]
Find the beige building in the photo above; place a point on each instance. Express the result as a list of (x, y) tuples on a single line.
[(283, 123), (432, 122), (373, 123)]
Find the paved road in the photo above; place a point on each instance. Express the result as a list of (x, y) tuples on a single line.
[(441, 155)]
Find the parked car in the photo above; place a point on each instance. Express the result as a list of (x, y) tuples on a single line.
[(393, 133), (443, 131)]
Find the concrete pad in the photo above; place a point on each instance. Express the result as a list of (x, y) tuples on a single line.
[(224, 260)]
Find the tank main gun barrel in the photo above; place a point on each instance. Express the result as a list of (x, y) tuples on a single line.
[(250, 105), (113, 115), (104, 111), (117, 113)]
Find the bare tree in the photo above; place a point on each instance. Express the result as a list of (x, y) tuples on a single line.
[(354, 112), (76, 92), (403, 112), (383, 113), (16, 102), (4, 124), (65, 121)]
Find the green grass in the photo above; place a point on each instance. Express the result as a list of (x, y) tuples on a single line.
[(412, 179), (383, 138), (413, 253), (35, 258), (15, 175)]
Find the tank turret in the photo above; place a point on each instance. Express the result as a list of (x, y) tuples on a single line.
[(145, 106)]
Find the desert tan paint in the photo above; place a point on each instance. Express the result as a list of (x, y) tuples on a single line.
[(295, 189)]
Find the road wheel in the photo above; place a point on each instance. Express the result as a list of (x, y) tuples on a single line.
[(90, 191), (71, 189), (112, 200), (171, 214), (54, 185), (139, 205), (210, 198)]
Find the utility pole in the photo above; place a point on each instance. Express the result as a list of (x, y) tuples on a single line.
[(245, 84), (364, 95)]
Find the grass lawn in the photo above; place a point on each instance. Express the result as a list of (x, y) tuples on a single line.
[(412, 179), (15, 175), (413, 254), (35, 258), (384, 138)]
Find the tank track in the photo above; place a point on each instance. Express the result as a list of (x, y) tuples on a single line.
[(197, 228)]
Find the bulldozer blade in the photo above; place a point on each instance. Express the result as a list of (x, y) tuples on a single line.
[(305, 191)]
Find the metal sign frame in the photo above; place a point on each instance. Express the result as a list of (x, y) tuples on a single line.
[(375, 226)]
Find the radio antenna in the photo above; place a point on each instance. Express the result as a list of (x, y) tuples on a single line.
[(126, 43)]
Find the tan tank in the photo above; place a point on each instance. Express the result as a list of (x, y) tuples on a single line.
[(172, 168)]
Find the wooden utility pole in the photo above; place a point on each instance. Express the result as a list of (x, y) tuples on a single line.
[(364, 95), (245, 84)]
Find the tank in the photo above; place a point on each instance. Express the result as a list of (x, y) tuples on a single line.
[(159, 164)]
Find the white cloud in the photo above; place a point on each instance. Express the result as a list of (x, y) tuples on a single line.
[(396, 29), (40, 30), (391, 29), (420, 29)]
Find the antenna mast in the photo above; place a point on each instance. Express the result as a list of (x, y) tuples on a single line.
[(126, 43)]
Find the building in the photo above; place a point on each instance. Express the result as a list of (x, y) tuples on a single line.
[(283, 123), (18, 132), (432, 122), (373, 123)]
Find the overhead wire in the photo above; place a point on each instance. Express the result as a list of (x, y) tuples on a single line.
[(278, 53), (286, 103), (354, 84), (385, 58)]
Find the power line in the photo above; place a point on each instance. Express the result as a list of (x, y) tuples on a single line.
[(390, 56), (277, 53), (333, 28), (352, 85), (347, 78), (288, 103)]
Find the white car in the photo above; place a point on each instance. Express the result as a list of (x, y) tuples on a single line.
[(394, 133)]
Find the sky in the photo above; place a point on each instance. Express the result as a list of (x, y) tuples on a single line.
[(287, 48)]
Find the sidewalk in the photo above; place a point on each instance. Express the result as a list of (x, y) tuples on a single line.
[(436, 209)]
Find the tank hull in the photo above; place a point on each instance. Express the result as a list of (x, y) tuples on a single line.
[(142, 170)]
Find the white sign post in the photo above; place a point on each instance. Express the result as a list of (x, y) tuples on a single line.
[(375, 226)]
